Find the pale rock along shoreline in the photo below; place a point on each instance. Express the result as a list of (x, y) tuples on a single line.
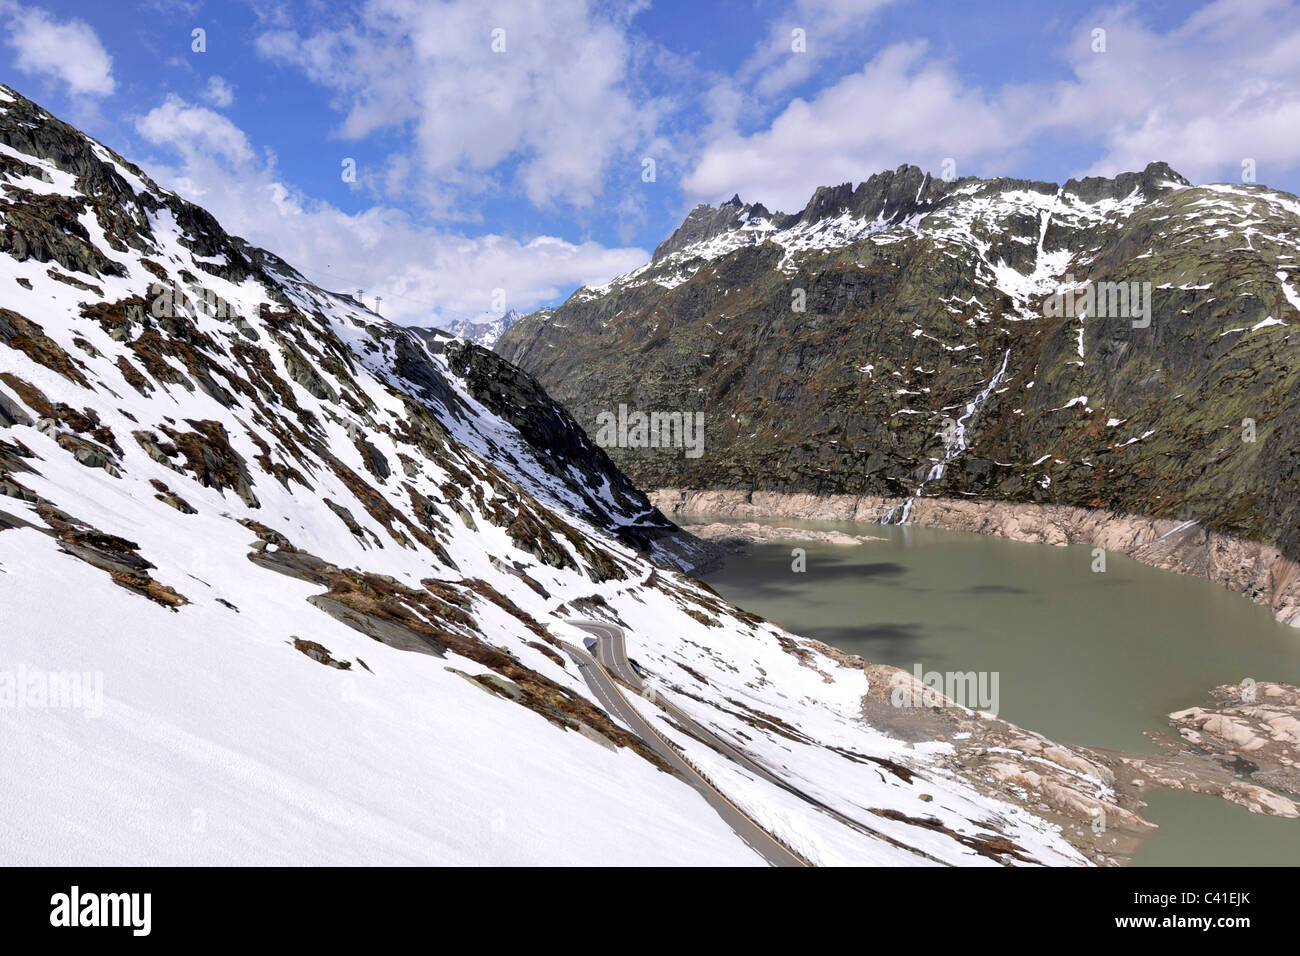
[(736, 537), (1259, 571)]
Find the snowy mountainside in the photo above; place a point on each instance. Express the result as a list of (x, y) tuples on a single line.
[(281, 582)]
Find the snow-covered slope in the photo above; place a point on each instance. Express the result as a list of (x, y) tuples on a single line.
[(308, 574)]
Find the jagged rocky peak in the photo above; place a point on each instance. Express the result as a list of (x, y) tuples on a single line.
[(1155, 179), (701, 224), (903, 196), (894, 196), (889, 196)]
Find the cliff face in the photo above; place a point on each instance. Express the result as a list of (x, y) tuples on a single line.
[(1124, 344)]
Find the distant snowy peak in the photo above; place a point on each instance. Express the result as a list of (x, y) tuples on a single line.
[(486, 329)]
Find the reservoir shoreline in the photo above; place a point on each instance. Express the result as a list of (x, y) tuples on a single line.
[(1113, 671), (1257, 570)]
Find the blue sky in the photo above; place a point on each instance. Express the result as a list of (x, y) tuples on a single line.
[(521, 169)]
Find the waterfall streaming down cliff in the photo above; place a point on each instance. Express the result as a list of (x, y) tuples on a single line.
[(954, 445)]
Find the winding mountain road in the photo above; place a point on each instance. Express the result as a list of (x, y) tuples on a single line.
[(596, 672), (610, 656)]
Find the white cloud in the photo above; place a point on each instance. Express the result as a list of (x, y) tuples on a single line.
[(555, 102), (426, 276), (1221, 87), (828, 28), (66, 50), (218, 92), (897, 109), (196, 132)]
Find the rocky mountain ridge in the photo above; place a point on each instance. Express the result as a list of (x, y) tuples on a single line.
[(1124, 344)]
